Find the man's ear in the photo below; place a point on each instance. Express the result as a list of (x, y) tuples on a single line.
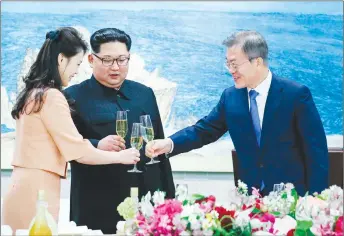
[(260, 61), (90, 59)]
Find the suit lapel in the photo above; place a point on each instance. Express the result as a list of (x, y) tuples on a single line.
[(244, 117), (271, 108)]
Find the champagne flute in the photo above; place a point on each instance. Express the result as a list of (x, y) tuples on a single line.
[(136, 141), (147, 124), (121, 123)]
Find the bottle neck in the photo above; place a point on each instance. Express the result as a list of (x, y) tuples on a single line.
[(41, 208)]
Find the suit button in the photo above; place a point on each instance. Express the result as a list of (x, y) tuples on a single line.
[(261, 165)]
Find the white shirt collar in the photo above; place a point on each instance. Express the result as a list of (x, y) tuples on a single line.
[(264, 86)]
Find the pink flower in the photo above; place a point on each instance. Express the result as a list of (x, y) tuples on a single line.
[(256, 192), (339, 227), (268, 218), (207, 204), (211, 199), (161, 222)]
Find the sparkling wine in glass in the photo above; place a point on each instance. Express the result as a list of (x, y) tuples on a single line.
[(149, 136), (136, 141), (121, 123)]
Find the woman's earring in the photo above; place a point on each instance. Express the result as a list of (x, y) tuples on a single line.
[(52, 83)]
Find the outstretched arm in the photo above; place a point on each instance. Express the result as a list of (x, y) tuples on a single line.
[(205, 131)]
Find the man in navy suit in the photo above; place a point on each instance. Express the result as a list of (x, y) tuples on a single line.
[(96, 191), (273, 123)]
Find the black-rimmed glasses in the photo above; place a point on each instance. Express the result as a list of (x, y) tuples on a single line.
[(121, 61)]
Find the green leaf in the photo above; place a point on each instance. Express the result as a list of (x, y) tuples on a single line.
[(296, 197), (198, 196), (336, 218), (275, 213), (235, 232), (284, 196), (292, 215), (309, 232), (304, 225), (220, 232), (246, 232), (299, 232), (256, 211), (321, 197), (185, 202)]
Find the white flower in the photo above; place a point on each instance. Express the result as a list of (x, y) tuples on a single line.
[(315, 230), (242, 187), (289, 187), (147, 198), (256, 223), (192, 210), (206, 223), (179, 223), (314, 211), (214, 214), (197, 232), (207, 232), (185, 233), (325, 194), (261, 233), (125, 227), (195, 224), (302, 211), (120, 228), (147, 209), (210, 220), (181, 192), (242, 219), (282, 226), (334, 212), (159, 198), (146, 206)]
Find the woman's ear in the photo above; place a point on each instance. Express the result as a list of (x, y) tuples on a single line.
[(60, 59)]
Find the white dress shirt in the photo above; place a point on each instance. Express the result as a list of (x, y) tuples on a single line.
[(263, 90)]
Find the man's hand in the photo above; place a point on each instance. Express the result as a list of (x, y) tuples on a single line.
[(157, 147), (113, 143)]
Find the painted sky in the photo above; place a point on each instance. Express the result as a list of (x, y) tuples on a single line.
[(244, 6)]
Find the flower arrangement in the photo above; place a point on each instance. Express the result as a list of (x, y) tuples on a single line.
[(282, 212)]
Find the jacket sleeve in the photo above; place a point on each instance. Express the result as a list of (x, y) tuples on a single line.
[(314, 144), (205, 131), (56, 116), (165, 165)]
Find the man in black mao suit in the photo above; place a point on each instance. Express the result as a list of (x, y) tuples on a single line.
[(96, 191)]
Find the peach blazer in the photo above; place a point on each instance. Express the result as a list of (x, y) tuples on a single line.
[(48, 139)]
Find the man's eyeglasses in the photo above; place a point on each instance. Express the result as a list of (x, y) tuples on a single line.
[(234, 66), (121, 61)]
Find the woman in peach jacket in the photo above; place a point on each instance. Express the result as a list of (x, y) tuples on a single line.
[(46, 137)]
